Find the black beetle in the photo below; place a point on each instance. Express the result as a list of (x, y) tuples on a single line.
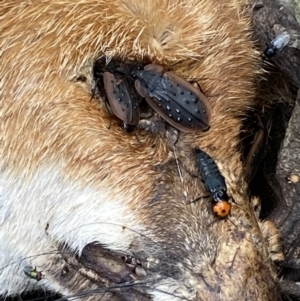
[(214, 183), (115, 85), (122, 100), (175, 99)]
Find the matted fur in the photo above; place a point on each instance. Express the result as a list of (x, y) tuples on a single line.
[(67, 177)]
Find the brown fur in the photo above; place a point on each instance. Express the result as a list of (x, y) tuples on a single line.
[(48, 47)]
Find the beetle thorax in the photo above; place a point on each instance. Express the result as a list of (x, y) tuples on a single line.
[(149, 79), (220, 195)]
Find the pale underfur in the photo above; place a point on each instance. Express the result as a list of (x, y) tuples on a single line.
[(67, 177)]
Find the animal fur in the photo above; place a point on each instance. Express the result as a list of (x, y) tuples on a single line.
[(68, 178)]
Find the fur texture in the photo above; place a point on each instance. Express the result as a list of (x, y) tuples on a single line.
[(66, 177)]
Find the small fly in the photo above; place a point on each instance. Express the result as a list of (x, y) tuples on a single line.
[(33, 273), (277, 44)]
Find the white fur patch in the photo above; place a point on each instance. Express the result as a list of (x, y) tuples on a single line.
[(38, 212)]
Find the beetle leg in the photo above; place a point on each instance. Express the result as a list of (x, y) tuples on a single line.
[(199, 198), (156, 107)]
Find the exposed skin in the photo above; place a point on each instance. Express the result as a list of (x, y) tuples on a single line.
[(66, 177)]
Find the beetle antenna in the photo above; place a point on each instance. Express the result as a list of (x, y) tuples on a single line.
[(198, 199)]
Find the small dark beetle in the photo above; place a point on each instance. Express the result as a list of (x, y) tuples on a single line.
[(122, 103), (33, 273), (175, 99), (115, 85), (276, 44), (214, 183)]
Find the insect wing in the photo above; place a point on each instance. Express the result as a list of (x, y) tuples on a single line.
[(281, 40), (210, 173), (180, 104), (123, 103), (28, 271), (215, 183), (203, 103)]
